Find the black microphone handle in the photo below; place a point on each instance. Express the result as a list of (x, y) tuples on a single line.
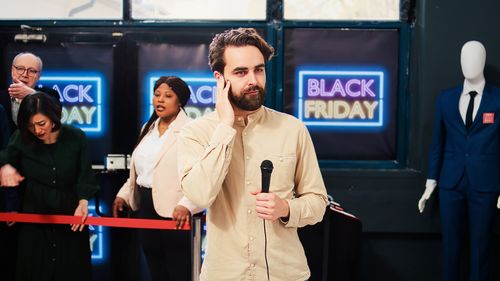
[(266, 180), (266, 168)]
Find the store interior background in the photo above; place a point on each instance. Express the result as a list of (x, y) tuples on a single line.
[(398, 243)]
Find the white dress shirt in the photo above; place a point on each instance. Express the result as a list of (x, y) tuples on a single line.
[(15, 103), (465, 98), (145, 155)]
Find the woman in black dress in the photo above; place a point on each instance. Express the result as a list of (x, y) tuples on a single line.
[(49, 161)]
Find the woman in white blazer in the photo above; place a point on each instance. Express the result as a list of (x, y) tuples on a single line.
[(153, 189)]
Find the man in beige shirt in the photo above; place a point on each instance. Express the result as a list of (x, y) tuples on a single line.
[(219, 160)]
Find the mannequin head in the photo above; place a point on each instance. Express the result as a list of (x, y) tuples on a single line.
[(472, 59)]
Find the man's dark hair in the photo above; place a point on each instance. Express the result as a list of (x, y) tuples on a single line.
[(39, 102), (236, 37)]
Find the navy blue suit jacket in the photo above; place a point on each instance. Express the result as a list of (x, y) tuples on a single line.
[(4, 128), (455, 150)]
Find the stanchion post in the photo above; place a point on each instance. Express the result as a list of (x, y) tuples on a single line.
[(196, 247)]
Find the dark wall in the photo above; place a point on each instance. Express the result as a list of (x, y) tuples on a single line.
[(399, 243), (442, 27)]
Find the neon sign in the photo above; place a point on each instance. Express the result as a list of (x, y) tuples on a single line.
[(96, 238), (341, 98), (82, 97), (203, 92)]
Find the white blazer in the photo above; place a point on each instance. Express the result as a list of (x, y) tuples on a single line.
[(166, 190)]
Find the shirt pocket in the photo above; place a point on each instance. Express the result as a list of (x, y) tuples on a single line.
[(283, 175)]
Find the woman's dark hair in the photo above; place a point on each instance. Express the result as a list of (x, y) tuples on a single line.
[(180, 88), (39, 102)]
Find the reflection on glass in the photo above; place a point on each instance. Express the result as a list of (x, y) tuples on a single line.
[(61, 9), (199, 9), (384, 10)]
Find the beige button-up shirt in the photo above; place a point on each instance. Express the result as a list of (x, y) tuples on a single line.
[(220, 167)]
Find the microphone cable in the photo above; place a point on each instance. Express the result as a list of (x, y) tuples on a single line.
[(265, 249), (266, 168)]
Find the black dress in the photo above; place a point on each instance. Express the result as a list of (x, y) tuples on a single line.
[(56, 177)]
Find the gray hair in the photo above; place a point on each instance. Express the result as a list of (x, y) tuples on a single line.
[(40, 63)]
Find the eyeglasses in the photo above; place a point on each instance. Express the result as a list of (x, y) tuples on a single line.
[(21, 69)]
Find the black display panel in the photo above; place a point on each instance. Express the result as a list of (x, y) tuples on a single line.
[(343, 85)]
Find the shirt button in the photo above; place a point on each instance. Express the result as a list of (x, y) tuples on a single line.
[(54, 168), (281, 159), (54, 181), (248, 182), (54, 245), (53, 259), (251, 238), (249, 211), (246, 157), (252, 265)]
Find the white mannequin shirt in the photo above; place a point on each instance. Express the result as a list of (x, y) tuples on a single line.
[(465, 97)]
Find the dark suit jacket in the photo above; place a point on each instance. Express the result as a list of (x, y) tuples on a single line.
[(5, 102), (455, 150), (4, 128)]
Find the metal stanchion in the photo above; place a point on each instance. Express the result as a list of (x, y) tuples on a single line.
[(196, 228)]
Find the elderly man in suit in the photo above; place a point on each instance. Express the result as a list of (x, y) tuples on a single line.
[(25, 73)]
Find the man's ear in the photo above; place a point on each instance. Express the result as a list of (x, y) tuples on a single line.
[(218, 75)]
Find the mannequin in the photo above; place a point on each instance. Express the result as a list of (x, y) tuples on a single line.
[(464, 161), (472, 60)]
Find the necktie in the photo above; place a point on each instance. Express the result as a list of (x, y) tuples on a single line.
[(470, 109)]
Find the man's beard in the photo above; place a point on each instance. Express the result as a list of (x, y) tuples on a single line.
[(246, 101)]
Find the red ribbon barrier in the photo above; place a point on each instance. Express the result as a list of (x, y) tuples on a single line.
[(113, 222)]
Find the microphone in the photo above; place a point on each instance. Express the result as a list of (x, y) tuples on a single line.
[(266, 168)]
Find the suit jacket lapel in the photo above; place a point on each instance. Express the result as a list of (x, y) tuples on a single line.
[(455, 111), (5, 101), (169, 142), (175, 126)]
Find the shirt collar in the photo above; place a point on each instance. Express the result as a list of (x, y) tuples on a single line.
[(174, 126), (154, 130), (253, 117), (479, 88), (178, 121)]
